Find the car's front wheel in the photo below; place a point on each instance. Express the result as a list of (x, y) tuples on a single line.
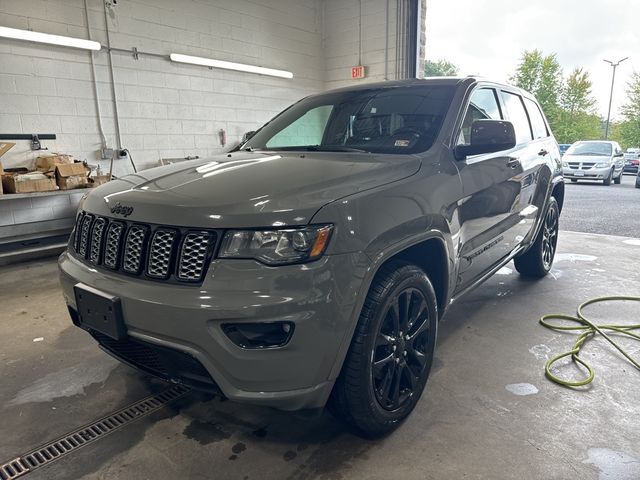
[(537, 261), (607, 181), (618, 179), (391, 352)]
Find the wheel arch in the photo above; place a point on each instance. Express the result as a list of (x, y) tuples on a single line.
[(421, 251)]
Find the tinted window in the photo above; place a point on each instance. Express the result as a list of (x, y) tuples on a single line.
[(399, 120), (483, 104), (518, 116), (537, 120)]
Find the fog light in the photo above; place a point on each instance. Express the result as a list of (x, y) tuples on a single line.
[(259, 335)]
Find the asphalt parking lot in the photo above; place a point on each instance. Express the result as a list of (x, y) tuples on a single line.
[(591, 207)]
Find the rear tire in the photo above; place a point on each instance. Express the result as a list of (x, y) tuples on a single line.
[(538, 260), (388, 363)]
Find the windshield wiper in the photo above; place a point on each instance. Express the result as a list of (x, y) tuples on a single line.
[(325, 148)]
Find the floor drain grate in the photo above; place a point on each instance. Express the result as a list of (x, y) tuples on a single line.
[(88, 434)]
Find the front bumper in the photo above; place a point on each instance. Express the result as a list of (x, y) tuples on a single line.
[(319, 298), (591, 174)]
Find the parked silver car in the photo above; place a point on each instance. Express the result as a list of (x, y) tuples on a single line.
[(594, 160)]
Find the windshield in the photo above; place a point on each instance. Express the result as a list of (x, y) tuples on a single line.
[(590, 148), (397, 120)]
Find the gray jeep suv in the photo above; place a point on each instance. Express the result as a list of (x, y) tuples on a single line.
[(313, 263)]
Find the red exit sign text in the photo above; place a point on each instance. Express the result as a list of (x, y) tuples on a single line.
[(357, 72)]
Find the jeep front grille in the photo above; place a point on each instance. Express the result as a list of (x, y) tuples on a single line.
[(155, 252)]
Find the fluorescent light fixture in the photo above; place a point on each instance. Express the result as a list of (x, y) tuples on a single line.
[(30, 36), (241, 67)]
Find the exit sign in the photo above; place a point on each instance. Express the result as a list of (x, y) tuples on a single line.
[(357, 72)]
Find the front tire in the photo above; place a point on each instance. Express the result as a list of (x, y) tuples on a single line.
[(607, 181), (537, 261), (618, 179), (391, 352)]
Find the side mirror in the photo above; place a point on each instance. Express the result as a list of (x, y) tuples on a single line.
[(247, 136), (488, 136), (619, 154)]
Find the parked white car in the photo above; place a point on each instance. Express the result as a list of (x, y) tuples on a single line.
[(593, 160)]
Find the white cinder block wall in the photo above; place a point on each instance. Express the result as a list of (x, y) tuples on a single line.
[(357, 33), (165, 109), (168, 109)]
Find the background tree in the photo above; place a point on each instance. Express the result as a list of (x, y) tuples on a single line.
[(567, 103), (542, 76), (577, 118), (440, 68), (628, 130)]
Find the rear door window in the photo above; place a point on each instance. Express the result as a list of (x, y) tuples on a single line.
[(518, 116), (537, 120)]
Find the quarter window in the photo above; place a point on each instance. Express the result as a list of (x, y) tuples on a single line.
[(483, 104), (537, 120), (518, 116)]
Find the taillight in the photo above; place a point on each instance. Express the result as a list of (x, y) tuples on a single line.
[(635, 162)]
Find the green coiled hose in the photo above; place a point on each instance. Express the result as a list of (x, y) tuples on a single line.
[(589, 329)]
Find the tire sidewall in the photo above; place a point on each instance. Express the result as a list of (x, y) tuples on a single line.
[(553, 204), (402, 280)]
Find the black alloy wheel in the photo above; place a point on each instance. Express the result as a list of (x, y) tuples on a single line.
[(391, 352), (399, 357), (549, 237), (538, 259)]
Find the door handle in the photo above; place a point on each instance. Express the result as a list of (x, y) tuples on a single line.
[(513, 162), (543, 153)]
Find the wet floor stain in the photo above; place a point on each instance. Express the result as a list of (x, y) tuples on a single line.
[(289, 455), (66, 382), (540, 351), (613, 465), (205, 433), (238, 448), (522, 389), (574, 257)]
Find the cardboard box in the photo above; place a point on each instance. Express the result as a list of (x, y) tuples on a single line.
[(72, 175), (5, 147), (48, 163), (98, 180), (21, 183)]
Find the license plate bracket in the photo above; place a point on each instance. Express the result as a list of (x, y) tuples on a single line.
[(579, 174), (99, 311)]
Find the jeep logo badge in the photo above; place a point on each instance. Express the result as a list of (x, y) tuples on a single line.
[(119, 209)]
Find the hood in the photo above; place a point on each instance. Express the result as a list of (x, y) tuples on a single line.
[(246, 189), (586, 158)]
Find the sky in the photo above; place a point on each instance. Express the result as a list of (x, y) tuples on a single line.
[(488, 37)]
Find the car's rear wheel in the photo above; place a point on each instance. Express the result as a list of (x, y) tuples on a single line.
[(607, 181), (391, 352), (537, 261)]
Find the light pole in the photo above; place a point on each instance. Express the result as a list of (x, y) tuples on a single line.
[(613, 79)]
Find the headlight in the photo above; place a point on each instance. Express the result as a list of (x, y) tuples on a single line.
[(602, 164), (277, 247)]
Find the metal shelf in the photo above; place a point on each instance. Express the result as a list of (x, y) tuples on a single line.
[(13, 196)]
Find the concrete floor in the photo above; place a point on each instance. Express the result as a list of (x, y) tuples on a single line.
[(473, 422)]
